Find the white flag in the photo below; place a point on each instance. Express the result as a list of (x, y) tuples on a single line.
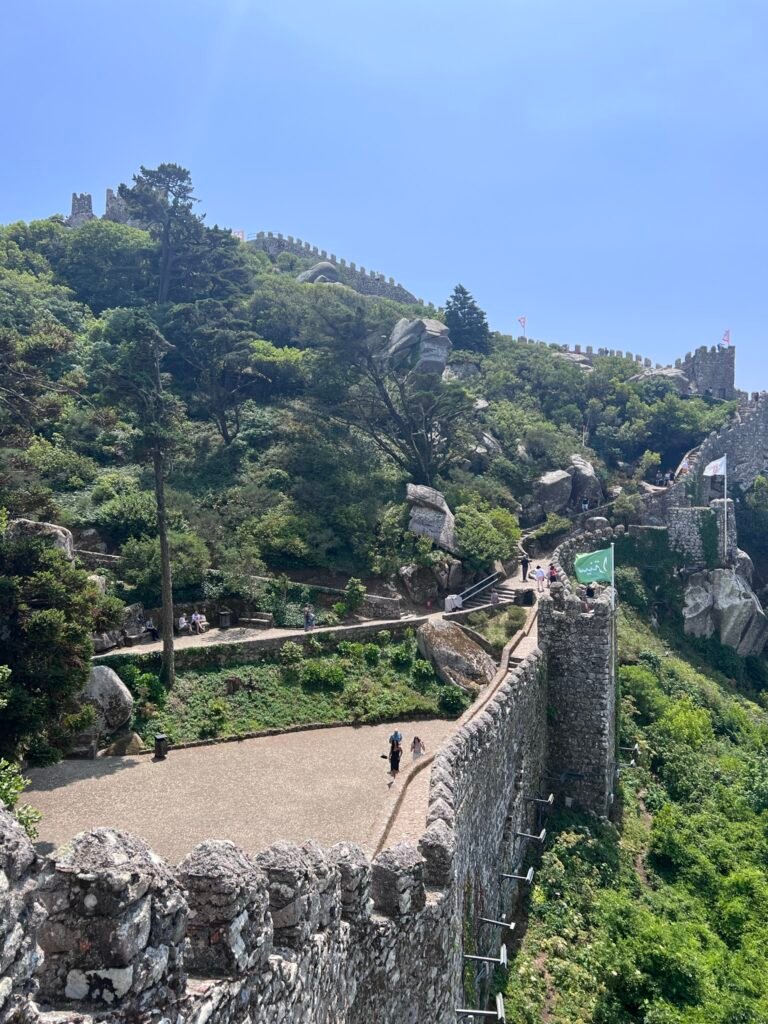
[(716, 468)]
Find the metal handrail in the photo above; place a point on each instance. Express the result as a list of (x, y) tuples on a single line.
[(478, 588)]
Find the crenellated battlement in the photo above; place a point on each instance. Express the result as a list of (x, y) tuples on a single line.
[(369, 282), (313, 935), (709, 371)]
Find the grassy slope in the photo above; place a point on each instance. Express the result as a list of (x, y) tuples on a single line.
[(662, 921), (275, 696)]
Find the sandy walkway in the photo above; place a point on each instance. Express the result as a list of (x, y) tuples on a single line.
[(325, 784)]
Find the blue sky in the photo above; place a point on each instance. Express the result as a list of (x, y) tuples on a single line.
[(597, 166)]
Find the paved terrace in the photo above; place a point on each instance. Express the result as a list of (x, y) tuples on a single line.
[(325, 784)]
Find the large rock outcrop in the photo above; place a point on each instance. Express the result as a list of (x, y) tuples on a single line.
[(585, 482), (421, 346), (420, 583), (57, 536), (321, 273), (552, 491), (665, 374), (431, 517), (111, 698), (457, 658), (722, 602)]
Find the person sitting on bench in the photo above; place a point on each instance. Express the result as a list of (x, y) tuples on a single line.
[(183, 626)]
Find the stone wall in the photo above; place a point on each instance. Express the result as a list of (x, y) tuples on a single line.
[(368, 282), (712, 371), (315, 936), (744, 439), (580, 651)]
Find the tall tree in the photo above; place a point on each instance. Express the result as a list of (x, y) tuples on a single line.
[(163, 201), (466, 322), (211, 358), (419, 422), (127, 357)]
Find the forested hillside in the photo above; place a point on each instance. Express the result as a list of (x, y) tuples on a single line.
[(162, 380)]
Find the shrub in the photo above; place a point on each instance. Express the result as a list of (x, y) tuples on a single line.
[(552, 527), (340, 609), (140, 564), (453, 701), (485, 534), (291, 653), (401, 656), (321, 674), (423, 672), (383, 637), (631, 588), (371, 654), (12, 785), (354, 595), (130, 514), (58, 464)]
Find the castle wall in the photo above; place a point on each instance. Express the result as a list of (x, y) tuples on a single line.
[(742, 439), (315, 936), (367, 282), (577, 645), (712, 371)]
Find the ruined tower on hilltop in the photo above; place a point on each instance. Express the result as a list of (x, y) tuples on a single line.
[(82, 209)]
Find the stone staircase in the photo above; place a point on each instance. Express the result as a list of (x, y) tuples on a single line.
[(503, 589)]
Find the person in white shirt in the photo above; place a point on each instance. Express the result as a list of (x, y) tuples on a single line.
[(539, 575)]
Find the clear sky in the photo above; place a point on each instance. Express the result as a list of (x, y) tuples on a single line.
[(596, 165)]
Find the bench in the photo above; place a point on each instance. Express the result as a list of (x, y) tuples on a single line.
[(265, 621), (204, 625)]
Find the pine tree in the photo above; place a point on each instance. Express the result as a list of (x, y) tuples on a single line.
[(466, 322)]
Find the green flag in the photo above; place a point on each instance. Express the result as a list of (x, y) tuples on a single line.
[(597, 565)]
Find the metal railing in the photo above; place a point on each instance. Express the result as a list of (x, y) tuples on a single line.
[(478, 588)]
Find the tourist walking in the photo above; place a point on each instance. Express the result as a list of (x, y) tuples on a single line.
[(309, 618), (417, 748), (552, 574), (539, 575), (524, 563), (395, 753)]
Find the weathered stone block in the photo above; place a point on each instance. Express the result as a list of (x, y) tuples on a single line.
[(230, 929), (398, 881)]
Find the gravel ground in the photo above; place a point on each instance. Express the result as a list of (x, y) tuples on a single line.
[(325, 784)]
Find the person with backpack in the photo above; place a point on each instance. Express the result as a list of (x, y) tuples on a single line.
[(524, 563)]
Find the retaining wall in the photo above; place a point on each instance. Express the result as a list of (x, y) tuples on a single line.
[(303, 934)]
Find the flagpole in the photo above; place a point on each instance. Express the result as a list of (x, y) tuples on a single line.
[(725, 513), (613, 608)]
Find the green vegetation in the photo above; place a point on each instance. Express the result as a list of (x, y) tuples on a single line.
[(12, 785), (662, 920), (357, 683), (48, 611), (498, 627)]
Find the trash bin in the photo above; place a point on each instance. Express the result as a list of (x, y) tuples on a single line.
[(161, 746), (225, 618)]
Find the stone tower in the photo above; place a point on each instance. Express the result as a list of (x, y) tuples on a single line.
[(712, 371), (82, 209)]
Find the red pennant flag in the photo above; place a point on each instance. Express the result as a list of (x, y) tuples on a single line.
[(521, 321), (726, 338)]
